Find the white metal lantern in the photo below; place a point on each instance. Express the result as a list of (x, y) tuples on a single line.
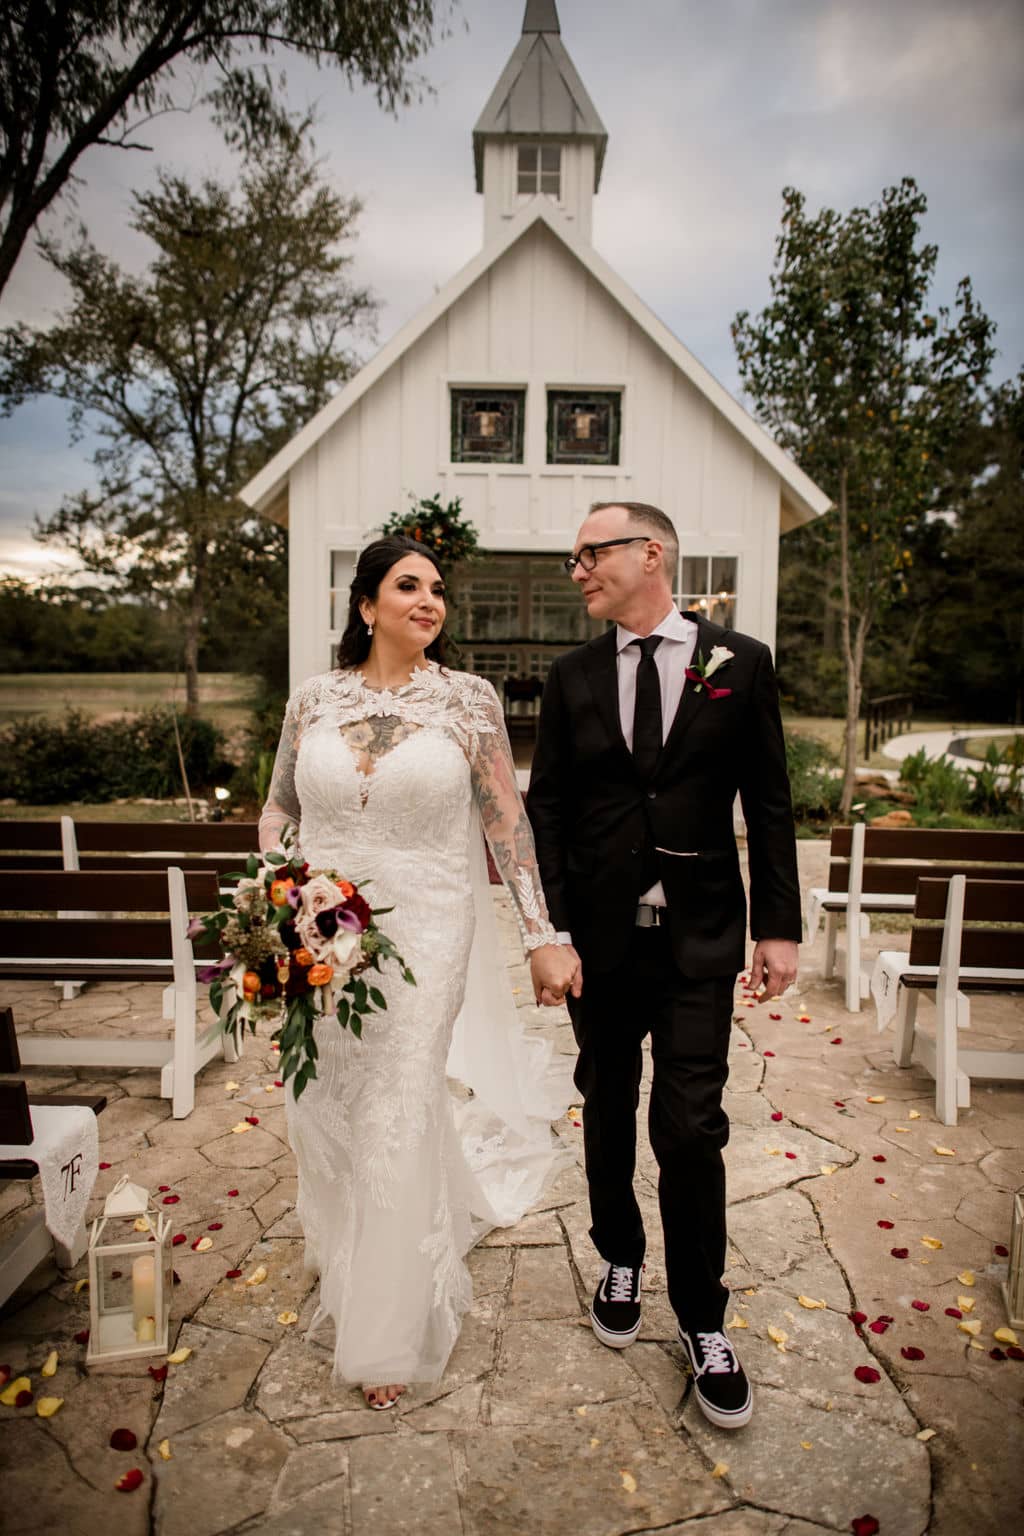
[(130, 1277), (1013, 1290)]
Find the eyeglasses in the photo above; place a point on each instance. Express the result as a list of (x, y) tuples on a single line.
[(587, 556)]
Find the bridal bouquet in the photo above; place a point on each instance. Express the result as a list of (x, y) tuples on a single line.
[(295, 945)]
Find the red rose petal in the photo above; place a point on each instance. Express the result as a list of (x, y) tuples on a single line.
[(767, 1053), (775, 1016), (129, 1482), (867, 1374), (879, 1179), (123, 1440), (1002, 1250), (899, 1253), (195, 1243), (996, 1354), (163, 1188), (921, 1306), (791, 1156), (252, 1119), (175, 1277), (178, 1239), (911, 1352), (278, 1083), (878, 1157), (23, 1398), (954, 1312), (857, 1318), (104, 1165), (839, 1103), (1014, 1352), (836, 1040), (232, 1274), (777, 1115), (158, 1372), (879, 1325), (215, 1226), (232, 1191), (883, 1317), (171, 1199), (83, 1337), (886, 1226), (864, 1525)]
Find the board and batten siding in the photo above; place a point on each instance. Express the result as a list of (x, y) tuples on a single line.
[(535, 319)]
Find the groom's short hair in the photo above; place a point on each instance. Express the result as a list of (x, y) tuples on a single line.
[(653, 521)]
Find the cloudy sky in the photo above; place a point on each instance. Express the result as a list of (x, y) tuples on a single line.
[(711, 106)]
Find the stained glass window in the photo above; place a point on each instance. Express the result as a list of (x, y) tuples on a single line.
[(584, 426), (487, 426)]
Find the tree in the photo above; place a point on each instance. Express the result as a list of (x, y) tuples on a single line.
[(869, 390), (79, 73), (237, 331)]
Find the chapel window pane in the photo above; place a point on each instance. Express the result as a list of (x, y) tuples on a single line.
[(556, 612), (487, 426), (343, 564), (551, 170), (488, 608), (723, 573), (695, 573), (526, 166), (584, 427)]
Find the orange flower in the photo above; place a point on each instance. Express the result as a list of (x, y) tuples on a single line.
[(346, 888), (250, 982), (279, 892), (320, 975), (302, 957)]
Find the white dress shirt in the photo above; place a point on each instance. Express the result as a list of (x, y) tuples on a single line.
[(673, 656)]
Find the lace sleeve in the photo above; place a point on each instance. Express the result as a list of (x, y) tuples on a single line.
[(504, 816), (282, 807)]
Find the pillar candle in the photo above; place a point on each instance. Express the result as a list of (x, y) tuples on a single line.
[(143, 1288)]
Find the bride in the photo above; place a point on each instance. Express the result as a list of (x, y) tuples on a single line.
[(387, 768)]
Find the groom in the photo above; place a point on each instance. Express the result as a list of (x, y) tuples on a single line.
[(646, 735)]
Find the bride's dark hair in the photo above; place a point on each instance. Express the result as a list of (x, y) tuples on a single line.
[(372, 566)]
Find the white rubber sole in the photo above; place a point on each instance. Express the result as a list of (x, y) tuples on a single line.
[(721, 1418), (613, 1340)]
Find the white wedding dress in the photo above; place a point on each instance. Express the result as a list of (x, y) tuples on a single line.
[(398, 1174)]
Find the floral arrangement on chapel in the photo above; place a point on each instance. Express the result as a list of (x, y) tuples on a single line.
[(295, 945)]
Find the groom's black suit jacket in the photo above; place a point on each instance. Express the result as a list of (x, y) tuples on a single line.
[(595, 821)]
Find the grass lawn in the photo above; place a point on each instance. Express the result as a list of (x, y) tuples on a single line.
[(224, 696), (977, 746), (830, 731)]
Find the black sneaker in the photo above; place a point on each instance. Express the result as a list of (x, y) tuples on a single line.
[(615, 1309), (722, 1388)]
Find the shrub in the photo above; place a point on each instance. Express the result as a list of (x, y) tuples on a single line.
[(45, 761), (439, 525), (815, 787)]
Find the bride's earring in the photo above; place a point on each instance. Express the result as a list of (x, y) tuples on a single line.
[(369, 629)]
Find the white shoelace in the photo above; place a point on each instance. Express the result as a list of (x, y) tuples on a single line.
[(620, 1283), (719, 1359)]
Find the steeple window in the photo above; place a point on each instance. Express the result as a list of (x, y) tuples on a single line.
[(539, 169), (487, 426)]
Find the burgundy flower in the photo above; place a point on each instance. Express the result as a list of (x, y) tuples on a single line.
[(360, 909)]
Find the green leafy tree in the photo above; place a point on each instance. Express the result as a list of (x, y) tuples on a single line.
[(76, 74), (870, 389), (238, 330)]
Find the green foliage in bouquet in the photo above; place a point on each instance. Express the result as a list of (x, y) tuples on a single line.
[(296, 945), (442, 527)]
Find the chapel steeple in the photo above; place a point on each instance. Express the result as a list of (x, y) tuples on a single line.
[(539, 134)]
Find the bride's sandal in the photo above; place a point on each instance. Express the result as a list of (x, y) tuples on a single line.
[(378, 1398)]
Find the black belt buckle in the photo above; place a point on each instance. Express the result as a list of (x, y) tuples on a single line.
[(649, 917)]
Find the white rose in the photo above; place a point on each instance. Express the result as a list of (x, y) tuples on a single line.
[(720, 654), (319, 895), (344, 949)]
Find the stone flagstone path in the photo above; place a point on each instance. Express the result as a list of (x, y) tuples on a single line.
[(536, 1428)]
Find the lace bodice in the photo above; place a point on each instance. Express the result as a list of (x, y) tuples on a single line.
[(453, 707)]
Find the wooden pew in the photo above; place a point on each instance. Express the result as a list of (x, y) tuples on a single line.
[(876, 869), (148, 943), (952, 962)]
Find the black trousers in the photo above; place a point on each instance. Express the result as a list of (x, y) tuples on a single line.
[(689, 1023)]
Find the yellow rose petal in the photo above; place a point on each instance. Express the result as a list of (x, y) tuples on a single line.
[(913, 1114), (140, 1225), (737, 1322), (829, 1168), (925, 1435), (720, 1469), (165, 1450), (46, 1407), (902, 1130), (268, 1088), (965, 1303), (628, 1480), (972, 1328), (810, 1303), (772, 1151), (1005, 1336), (594, 1442), (292, 1317), (258, 1276), (241, 1128), (232, 1087), (80, 1285), (966, 1277), (975, 1345), (807, 1445), (10, 1392), (50, 1368), (778, 1337), (180, 1356), (944, 1151), (876, 1098), (932, 1242), (203, 1244)]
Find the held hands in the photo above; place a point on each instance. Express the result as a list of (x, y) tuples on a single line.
[(555, 970), (773, 967)]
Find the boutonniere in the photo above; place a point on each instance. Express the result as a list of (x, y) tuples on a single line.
[(702, 673)]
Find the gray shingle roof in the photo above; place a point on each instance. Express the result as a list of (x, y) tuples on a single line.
[(540, 95)]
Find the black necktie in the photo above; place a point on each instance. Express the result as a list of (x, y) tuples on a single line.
[(647, 712)]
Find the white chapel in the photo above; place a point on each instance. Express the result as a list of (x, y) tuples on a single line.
[(533, 384)]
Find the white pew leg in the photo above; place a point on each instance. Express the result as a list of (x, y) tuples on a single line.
[(831, 929), (853, 977), (906, 1018), (945, 1060)]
